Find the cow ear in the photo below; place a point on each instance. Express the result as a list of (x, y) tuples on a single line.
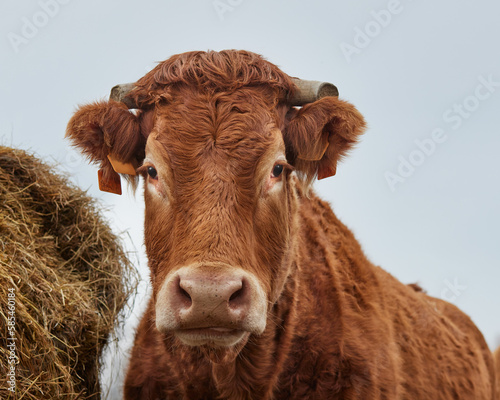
[(106, 131), (320, 134)]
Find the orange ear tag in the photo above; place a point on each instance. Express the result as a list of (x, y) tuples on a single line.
[(326, 172), (111, 185), (121, 167), (323, 171)]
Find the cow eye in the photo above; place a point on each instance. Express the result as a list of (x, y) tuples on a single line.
[(152, 173), (277, 170)]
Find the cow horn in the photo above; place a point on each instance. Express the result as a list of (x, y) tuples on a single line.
[(120, 92), (307, 92), (310, 91)]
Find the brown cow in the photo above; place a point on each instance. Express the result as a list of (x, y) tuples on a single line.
[(259, 291)]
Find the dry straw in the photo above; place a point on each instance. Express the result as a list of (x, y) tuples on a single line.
[(70, 276)]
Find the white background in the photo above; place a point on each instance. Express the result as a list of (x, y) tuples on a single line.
[(409, 71)]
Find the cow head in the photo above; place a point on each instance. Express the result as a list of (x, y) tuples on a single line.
[(225, 156)]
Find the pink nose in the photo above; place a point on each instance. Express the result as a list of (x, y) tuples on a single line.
[(207, 297), (204, 295)]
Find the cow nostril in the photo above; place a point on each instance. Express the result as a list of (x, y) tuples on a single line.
[(185, 294), (236, 294), (238, 297)]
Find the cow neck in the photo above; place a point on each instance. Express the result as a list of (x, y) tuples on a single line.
[(268, 359), (255, 371), (264, 361)]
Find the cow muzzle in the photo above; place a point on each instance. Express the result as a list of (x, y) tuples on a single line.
[(211, 304)]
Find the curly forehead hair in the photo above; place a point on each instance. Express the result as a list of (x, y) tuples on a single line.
[(227, 70)]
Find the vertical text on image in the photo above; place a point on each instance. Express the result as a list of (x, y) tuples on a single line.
[(12, 358)]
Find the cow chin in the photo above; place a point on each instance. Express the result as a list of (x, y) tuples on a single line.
[(222, 354)]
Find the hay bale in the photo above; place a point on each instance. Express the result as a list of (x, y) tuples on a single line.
[(70, 278)]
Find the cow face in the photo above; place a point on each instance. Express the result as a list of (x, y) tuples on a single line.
[(221, 159), (218, 214)]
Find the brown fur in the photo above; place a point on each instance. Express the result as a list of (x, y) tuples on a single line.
[(496, 356), (338, 327)]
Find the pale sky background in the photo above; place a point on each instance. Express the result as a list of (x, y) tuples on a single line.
[(423, 73)]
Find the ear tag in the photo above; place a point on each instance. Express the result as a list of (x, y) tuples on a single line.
[(112, 184), (326, 172), (315, 157), (121, 167)]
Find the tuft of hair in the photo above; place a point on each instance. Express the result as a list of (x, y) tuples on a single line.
[(68, 279), (225, 70), (416, 287)]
